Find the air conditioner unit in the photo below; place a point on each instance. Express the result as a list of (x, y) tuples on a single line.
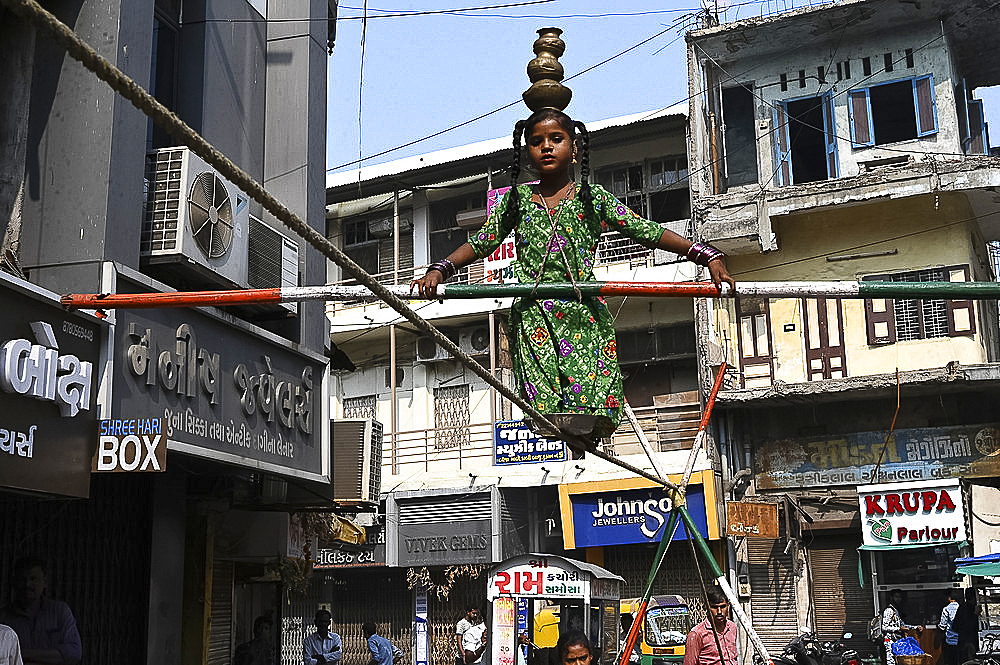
[(471, 219), (475, 340), (357, 460), (273, 260), (429, 351), (195, 222)]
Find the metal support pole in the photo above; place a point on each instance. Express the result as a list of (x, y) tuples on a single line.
[(720, 579)]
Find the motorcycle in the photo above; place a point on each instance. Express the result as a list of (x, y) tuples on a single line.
[(807, 650)]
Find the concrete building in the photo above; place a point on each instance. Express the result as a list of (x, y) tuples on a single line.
[(845, 142), (165, 567), (457, 460)]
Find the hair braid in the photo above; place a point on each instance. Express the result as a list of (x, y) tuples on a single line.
[(513, 210), (586, 196)]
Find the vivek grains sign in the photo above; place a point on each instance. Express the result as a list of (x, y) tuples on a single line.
[(914, 513)]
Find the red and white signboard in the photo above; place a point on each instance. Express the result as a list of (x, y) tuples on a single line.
[(542, 577), (928, 512)]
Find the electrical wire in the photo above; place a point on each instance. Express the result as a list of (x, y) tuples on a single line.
[(361, 84)]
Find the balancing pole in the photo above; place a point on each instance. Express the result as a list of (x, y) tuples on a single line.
[(565, 290)]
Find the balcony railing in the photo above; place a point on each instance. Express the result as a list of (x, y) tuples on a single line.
[(668, 427)]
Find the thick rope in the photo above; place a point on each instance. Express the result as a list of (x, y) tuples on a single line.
[(31, 11)]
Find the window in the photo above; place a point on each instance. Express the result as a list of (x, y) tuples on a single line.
[(360, 407), (972, 126), (664, 199), (451, 416), (163, 67), (753, 337), (892, 112), (805, 140), (740, 135), (360, 245), (369, 243), (657, 191), (445, 234), (890, 321)]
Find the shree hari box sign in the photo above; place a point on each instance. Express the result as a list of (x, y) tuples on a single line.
[(929, 512)]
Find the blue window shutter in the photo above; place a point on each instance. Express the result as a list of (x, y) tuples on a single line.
[(860, 114), (829, 131), (977, 128), (782, 146), (924, 105)]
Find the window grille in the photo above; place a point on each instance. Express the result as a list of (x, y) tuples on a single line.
[(451, 416), (360, 407), (900, 320)]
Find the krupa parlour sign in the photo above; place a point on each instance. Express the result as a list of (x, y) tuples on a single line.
[(928, 512)]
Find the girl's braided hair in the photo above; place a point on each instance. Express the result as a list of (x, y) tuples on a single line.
[(577, 132)]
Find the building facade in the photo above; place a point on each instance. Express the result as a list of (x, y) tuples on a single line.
[(164, 552), (827, 146)]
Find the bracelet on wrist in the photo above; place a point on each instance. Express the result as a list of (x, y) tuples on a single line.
[(445, 267), (703, 253)]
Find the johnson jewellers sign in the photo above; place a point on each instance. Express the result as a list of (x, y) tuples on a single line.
[(221, 392), (630, 516), (47, 392), (914, 513)]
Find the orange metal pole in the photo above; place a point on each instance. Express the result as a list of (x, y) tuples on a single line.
[(172, 299)]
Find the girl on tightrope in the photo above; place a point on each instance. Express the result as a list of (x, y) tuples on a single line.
[(563, 351)]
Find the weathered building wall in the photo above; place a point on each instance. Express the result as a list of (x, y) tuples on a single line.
[(926, 232)]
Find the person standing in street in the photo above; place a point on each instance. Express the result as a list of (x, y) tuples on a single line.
[(471, 620), (701, 647), (474, 639), (966, 624), (946, 628), (383, 651), (259, 650), (46, 628), (892, 625), (322, 646)]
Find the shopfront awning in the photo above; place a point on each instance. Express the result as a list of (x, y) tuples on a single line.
[(987, 565)]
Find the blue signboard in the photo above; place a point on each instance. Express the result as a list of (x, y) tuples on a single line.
[(514, 443), (631, 516)]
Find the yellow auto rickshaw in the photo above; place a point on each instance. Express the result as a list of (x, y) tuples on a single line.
[(668, 621)]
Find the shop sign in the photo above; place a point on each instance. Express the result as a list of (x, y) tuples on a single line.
[(514, 443), (368, 555), (132, 445), (918, 513), (630, 516), (47, 392), (749, 518), (962, 451), (445, 543), (498, 267), (222, 392), (542, 577), (503, 638)]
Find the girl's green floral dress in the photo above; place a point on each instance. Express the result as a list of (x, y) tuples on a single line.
[(564, 353)]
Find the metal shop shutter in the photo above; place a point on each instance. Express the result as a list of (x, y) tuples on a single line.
[(772, 583), (220, 631), (840, 603)]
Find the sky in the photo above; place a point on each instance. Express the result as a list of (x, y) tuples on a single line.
[(425, 74)]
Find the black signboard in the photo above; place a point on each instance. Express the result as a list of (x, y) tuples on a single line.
[(49, 362), (223, 392), (445, 543)]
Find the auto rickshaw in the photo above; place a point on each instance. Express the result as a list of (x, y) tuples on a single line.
[(668, 621)]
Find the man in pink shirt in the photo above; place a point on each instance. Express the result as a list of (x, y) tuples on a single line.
[(701, 647)]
